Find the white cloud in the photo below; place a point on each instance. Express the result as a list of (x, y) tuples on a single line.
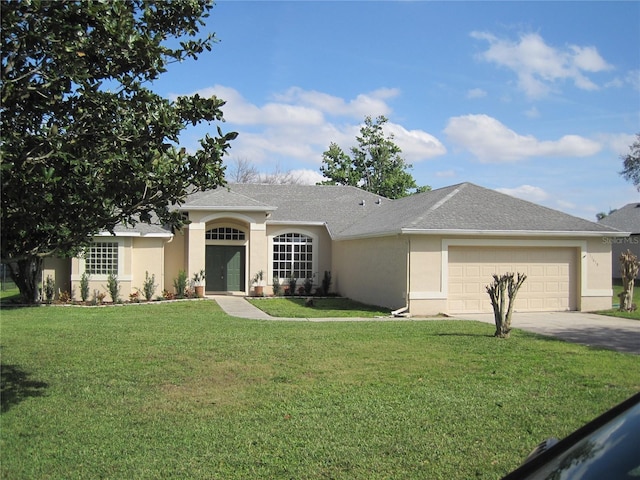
[(298, 125), (492, 142), (540, 67), (532, 112), (619, 143), (476, 93), (416, 145), (372, 103), (445, 174), (308, 177), (526, 192)]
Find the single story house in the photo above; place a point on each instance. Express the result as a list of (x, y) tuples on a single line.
[(428, 253), (626, 219)]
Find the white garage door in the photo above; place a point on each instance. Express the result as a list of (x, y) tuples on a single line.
[(550, 285)]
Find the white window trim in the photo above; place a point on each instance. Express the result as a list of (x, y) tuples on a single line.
[(314, 256), (82, 263)]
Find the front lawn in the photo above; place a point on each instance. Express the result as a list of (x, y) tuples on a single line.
[(614, 312), (322, 307), (184, 391)]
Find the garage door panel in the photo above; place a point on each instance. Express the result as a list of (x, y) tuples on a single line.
[(550, 284)]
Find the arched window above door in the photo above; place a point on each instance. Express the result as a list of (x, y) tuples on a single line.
[(224, 233)]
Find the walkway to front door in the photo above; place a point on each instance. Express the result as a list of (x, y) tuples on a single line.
[(225, 268)]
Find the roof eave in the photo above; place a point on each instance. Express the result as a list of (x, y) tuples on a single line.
[(222, 208), (514, 233), (135, 234)]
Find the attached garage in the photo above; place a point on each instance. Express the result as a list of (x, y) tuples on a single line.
[(551, 284)]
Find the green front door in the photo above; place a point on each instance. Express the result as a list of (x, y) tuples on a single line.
[(225, 268)]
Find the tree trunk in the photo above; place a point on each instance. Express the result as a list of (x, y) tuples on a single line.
[(498, 291), (26, 274), (629, 266)]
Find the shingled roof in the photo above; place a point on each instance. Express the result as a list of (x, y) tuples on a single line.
[(469, 208), (626, 218), (349, 212)]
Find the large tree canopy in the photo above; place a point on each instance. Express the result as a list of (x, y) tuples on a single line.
[(375, 165), (631, 163), (85, 143)]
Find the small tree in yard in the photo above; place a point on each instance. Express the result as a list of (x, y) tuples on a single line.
[(629, 266), (503, 288)]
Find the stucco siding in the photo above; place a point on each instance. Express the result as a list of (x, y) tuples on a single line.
[(59, 269), (372, 271), (147, 256), (174, 259), (597, 292)]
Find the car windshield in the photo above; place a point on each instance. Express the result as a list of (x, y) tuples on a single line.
[(611, 452)]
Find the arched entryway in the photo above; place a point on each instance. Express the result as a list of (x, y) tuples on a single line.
[(225, 259)]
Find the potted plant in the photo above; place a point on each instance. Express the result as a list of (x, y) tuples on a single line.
[(199, 282), (258, 287)]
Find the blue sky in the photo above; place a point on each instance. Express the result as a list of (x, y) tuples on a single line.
[(534, 99)]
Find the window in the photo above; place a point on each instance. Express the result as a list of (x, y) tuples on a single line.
[(293, 254), (224, 233), (102, 258)]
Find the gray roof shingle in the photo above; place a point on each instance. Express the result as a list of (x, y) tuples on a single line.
[(351, 212), (468, 207), (626, 218)]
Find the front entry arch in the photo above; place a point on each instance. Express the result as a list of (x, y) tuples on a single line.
[(225, 269)]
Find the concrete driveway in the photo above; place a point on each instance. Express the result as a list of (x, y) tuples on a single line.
[(619, 334)]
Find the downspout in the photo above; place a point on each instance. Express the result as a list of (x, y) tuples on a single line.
[(403, 312)]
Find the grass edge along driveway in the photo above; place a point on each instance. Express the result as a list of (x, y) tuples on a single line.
[(184, 391)]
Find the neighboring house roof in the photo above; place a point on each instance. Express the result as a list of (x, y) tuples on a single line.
[(626, 218), (349, 212)]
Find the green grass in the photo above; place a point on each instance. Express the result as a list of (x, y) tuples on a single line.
[(184, 391), (614, 312), (323, 307)]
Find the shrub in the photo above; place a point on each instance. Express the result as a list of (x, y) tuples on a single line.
[(84, 287), (98, 297), (326, 282), (277, 288), (113, 286), (180, 284), (308, 285), (64, 297), (293, 281), (134, 297), (167, 295), (149, 286), (49, 286)]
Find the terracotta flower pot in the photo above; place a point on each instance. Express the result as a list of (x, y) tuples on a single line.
[(200, 291), (258, 291)]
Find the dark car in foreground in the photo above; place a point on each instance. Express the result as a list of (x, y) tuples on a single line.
[(607, 448)]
